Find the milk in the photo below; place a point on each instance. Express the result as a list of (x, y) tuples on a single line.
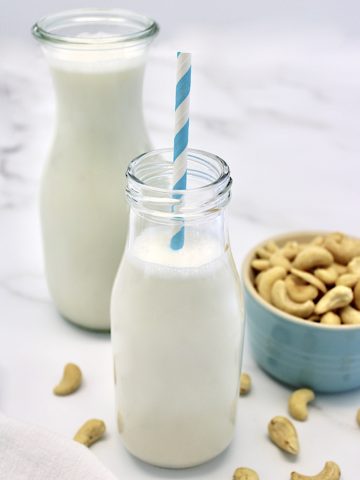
[(100, 128), (177, 329)]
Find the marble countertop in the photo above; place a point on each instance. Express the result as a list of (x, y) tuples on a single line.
[(284, 112)]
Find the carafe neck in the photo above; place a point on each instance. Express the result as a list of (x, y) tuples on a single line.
[(103, 96)]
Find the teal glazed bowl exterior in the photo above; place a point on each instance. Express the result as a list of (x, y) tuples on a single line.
[(297, 352)]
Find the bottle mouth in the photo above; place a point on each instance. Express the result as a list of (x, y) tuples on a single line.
[(95, 28), (150, 180)]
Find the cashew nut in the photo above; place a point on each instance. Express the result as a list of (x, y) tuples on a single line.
[(313, 256), (245, 383), (327, 275), (298, 290), (309, 278), (281, 300), (337, 236), (263, 253), (330, 318), (260, 264), (331, 471), (277, 259), (70, 381), (283, 433), (313, 318), (244, 473), (354, 265), (337, 297), (258, 278), (348, 279), (342, 248), (350, 316), (358, 417), (318, 240), (290, 250), (298, 401), (271, 247), (268, 278), (340, 269), (357, 295), (90, 432)]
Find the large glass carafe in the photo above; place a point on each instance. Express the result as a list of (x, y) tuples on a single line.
[(97, 59), (177, 315)]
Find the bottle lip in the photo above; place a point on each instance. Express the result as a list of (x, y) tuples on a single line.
[(223, 174), (52, 28), (208, 185)]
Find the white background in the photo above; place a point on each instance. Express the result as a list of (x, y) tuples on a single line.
[(283, 15)]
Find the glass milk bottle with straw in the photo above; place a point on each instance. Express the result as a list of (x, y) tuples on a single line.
[(97, 59), (176, 312)]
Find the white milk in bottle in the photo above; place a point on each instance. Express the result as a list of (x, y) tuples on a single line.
[(177, 323), (97, 61)]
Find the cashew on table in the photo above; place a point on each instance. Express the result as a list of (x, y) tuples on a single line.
[(283, 434), (245, 384), (90, 432), (298, 402), (331, 471), (71, 380), (243, 473)]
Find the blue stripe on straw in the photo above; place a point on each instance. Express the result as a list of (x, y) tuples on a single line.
[(181, 140), (181, 183), (183, 88), (180, 145), (177, 240)]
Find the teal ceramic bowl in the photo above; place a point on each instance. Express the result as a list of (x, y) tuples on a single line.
[(294, 351)]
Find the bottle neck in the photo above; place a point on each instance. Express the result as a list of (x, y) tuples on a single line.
[(158, 212)]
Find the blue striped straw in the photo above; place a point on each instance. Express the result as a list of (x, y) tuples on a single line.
[(182, 102)]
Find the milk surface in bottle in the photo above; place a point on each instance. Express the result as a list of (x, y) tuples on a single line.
[(99, 129), (177, 330)]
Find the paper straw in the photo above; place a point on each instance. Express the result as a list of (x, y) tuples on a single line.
[(183, 82)]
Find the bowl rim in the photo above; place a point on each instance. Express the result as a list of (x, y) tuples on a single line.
[(246, 269)]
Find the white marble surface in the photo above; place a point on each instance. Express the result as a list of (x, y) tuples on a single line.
[(284, 112)]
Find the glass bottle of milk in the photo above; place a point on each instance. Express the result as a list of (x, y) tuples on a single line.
[(97, 60), (177, 315)]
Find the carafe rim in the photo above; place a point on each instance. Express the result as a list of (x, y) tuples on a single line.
[(141, 28)]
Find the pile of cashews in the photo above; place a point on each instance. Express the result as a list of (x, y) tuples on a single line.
[(317, 281)]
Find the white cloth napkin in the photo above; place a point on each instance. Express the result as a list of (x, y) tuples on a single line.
[(29, 452)]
